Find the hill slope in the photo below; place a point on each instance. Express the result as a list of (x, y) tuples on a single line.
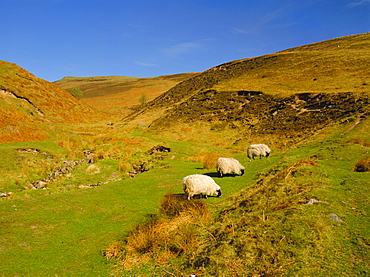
[(117, 94), (263, 225), (28, 104), (305, 87)]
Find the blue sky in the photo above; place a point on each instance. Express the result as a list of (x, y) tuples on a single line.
[(142, 38)]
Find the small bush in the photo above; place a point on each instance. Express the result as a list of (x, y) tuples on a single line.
[(77, 92), (362, 166)]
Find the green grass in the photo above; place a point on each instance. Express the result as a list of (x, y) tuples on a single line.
[(64, 230), (65, 233), (263, 226), (260, 226), (18, 168)]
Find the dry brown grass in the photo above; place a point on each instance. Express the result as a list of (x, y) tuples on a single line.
[(110, 145), (209, 159), (93, 169), (115, 250), (172, 233), (362, 165), (17, 127), (28, 105), (358, 140), (330, 66), (117, 94), (173, 205), (305, 162), (123, 166), (249, 238), (239, 242), (55, 103)]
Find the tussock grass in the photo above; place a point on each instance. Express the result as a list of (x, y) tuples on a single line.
[(173, 205), (240, 241), (124, 165), (171, 233), (360, 141), (93, 169), (362, 165), (208, 159)]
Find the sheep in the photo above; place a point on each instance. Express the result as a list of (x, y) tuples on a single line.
[(200, 184), (229, 165), (255, 150)]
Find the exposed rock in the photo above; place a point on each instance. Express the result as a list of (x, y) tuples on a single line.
[(313, 201), (28, 150), (336, 218), (90, 158), (57, 173), (40, 184), (159, 148)]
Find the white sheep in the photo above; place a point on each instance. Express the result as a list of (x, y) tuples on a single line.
[(255, 150), (229, 165), (200, 184)]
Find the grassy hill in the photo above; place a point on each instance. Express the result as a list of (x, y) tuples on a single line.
[(287, 95), (337, 65), (119, 94), (30, 105), (87, 198)]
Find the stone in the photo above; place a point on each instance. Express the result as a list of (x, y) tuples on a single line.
[(335, 218)]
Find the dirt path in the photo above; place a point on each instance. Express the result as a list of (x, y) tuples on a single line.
[(358, 120)]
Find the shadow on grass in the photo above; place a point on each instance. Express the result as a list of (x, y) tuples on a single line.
[(216, 175), (183, 197)]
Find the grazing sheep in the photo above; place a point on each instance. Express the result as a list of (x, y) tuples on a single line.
[(255, 150), (200, 184), (229, 165)]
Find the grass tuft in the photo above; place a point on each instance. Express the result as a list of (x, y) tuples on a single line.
[(358, 140), (175, 204), (209, 159), (93, 169), (171, 233), (362, 165)]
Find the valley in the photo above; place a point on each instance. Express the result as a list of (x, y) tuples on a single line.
[(92, 167)]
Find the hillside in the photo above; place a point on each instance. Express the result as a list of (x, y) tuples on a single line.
[(30, 105), (80, 197), (301, 212), (119, 94), (288, 94)]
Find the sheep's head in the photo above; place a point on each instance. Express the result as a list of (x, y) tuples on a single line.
[(218, 193)]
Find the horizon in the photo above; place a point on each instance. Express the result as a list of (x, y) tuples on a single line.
[(60, 38)]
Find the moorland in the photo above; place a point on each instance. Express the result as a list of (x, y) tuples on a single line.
[(91, 169)]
